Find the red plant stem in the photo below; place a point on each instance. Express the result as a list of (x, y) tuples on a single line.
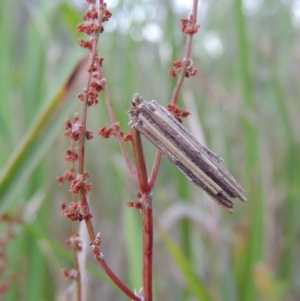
[(186, 62), (74, 249), (147, 245), (88, 222), (140, 161), (117, 129), (81, 147), (81, 156), (187, 53), (100, 259), (76, 267), (109, 107), (146, 202), (155, 168), (116, 280), (118, 135)]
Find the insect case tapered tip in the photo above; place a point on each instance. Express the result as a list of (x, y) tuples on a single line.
[(242, 198)]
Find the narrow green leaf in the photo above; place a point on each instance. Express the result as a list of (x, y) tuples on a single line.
[(38, 139), (195, 284)]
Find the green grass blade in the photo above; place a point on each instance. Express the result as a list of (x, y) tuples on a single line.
[(34, 144), (196, 286), (253, 252)]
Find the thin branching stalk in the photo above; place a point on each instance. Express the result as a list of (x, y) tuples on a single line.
[(75, 250), (186, 62), (116, 125), (84, 206), (95, 83), (109, 106), (155, 168), (76, 266), (187, 53)]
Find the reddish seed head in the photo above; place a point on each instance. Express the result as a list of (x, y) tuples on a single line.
[(71, 154), (172, 72), (97, 86), (75, 213), (74, 242), (130, 204), (177, 64), (80, 27), (85, 44), (85, 175), (88, 187), (134, 204), (80, 96), (193, 71), (64, 273), (89, 135), (177, 112), (91, 68), (63, 206), (186, 25), (70, 174), (90, 14), (60, 180), (183, 24), (68, 124), (100, 61), (105, 131), (106, 14), (79, 183), (93, 97), (89, 28), (127, 137), (74, 136), (185, 114), (87, 216)]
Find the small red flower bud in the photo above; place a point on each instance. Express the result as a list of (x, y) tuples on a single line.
[(172, 72), (64, 273), (60, 180), (89, 135), (177, 64), (80, 27), (127, 137)]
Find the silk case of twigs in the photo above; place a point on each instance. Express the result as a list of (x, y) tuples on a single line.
[(199, 164)]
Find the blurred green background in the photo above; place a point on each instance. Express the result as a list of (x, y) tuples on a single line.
[(245, 105)]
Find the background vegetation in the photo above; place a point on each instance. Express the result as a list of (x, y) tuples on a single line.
[(245, 105)]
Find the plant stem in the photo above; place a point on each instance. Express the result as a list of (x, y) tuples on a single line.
[(140, 161), (116, 280), (147, 245), (76, 265), (74, 247), (117, 129), (101, 261), (187, 54), (186, 62), (146, 202), (155, 168), (81, 157)]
